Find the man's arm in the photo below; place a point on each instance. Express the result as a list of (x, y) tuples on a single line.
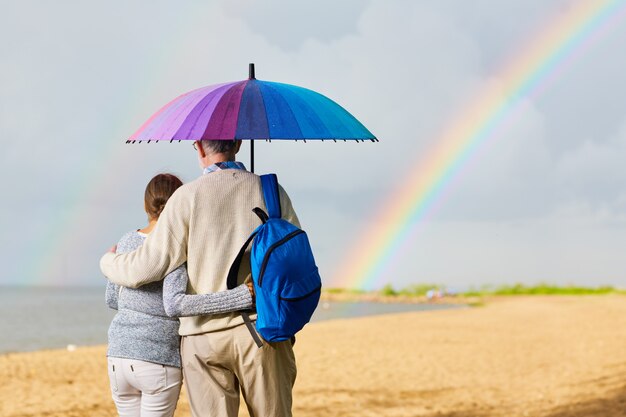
[(165, 249)]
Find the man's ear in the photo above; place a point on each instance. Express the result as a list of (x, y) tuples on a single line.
[(237, 146), (200, 148)]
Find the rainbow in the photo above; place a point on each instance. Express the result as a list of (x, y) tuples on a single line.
[(56, 245), (565, 39)]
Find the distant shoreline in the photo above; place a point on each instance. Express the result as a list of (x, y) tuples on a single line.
[(437, 294), (412, 290), (376, 297)]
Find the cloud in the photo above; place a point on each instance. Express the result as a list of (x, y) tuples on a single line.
[(289, 24), (594, 171)]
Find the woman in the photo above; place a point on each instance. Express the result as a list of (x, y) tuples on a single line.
[(143, 354)]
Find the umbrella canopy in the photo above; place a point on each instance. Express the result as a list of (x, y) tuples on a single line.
[(252, 109)]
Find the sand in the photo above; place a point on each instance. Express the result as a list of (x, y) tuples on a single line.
[(518, 356)]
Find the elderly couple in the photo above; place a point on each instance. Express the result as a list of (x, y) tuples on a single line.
[(177, 267)]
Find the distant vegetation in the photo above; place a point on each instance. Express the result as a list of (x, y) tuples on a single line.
[(412, 290), (343, 291), (388, 291), (438, 291), (542, 289)]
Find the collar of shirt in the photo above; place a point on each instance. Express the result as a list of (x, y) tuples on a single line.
[(224, 165)]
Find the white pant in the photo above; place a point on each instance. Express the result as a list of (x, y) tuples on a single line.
[(144, 389)]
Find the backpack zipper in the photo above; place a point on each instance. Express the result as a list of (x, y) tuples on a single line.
[(302, 297), (271, 248)]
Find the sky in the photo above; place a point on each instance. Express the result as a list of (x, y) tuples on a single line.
[(543, 202)]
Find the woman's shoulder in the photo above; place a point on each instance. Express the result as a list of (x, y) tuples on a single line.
[(130, 241)]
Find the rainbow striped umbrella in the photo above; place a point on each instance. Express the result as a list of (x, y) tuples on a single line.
[(251, 110)]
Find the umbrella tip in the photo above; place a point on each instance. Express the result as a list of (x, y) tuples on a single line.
[(251, 71)]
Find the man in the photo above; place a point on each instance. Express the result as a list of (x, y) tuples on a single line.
[(204, 223)]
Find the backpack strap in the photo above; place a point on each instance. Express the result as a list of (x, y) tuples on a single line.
[(231, 282), (269, 183), (252, 329)]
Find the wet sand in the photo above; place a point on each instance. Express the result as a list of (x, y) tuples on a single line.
[(518, 356)]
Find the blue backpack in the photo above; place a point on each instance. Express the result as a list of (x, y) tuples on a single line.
[(287, 283)]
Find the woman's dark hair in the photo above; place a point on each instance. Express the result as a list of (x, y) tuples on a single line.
[(158, 191)]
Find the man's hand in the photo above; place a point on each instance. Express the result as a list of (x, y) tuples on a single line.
[(250, 284)]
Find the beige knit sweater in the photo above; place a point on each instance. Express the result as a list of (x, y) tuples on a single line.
[(204, 223)]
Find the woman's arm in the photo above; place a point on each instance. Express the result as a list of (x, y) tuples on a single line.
[(111, 295), (178, 303)]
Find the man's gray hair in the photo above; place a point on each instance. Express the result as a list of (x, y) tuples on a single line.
[(218, 146)]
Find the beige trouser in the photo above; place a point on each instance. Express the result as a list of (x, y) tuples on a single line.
[(217, 365)]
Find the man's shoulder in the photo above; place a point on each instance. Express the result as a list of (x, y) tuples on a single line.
[(219, 185), (225, 175)]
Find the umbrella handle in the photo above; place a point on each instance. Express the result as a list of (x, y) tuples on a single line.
[(252, 156)]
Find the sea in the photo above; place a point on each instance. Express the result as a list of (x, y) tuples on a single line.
[(36, 318)]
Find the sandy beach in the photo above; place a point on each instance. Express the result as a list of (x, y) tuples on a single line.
[(518, 356)]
